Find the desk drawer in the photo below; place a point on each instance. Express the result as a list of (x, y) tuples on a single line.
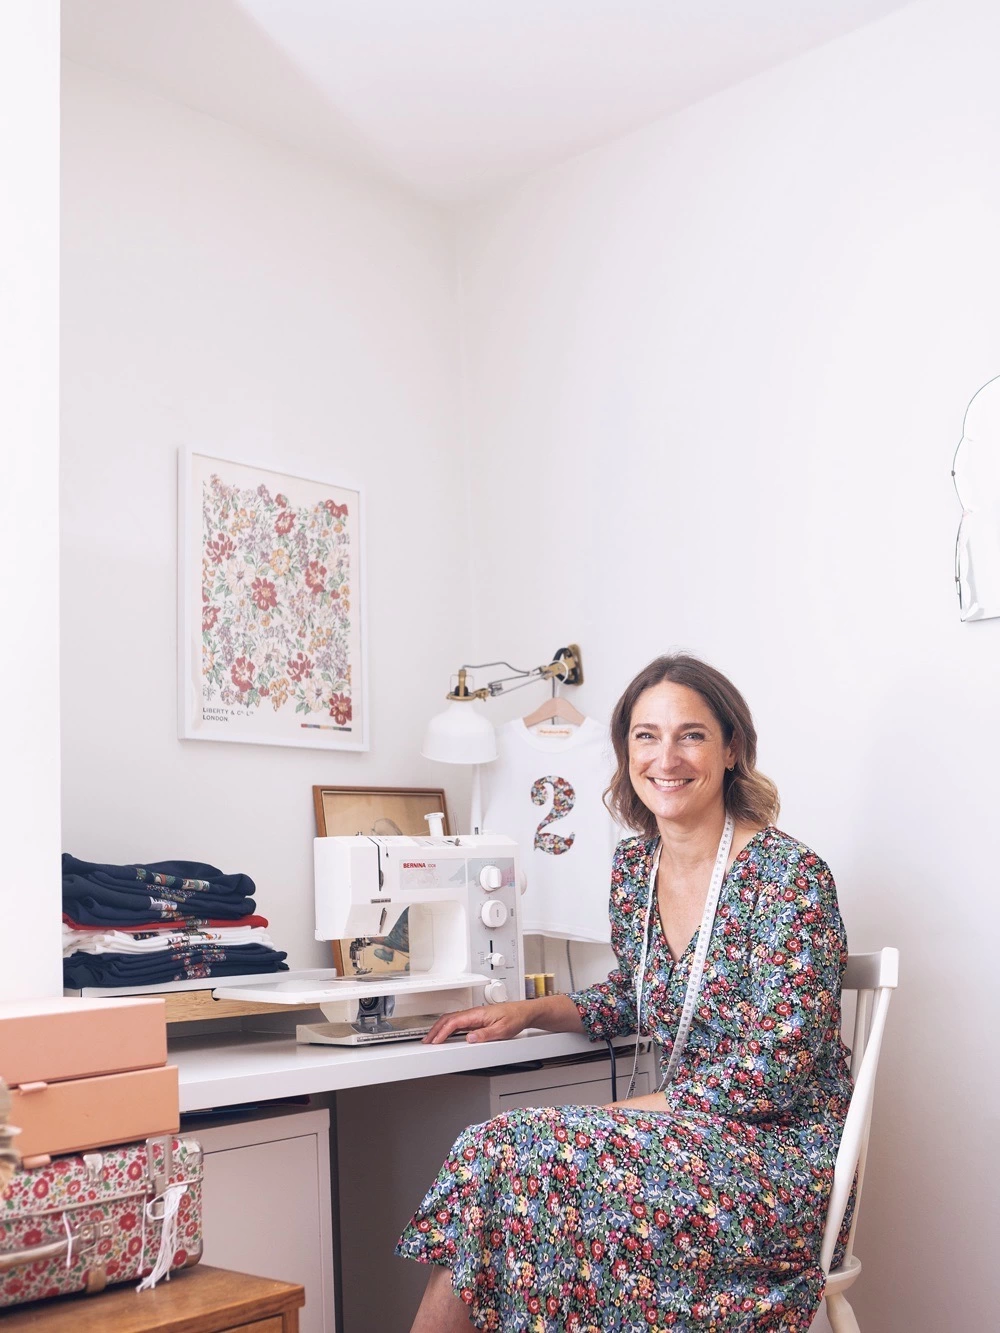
[(83, 1113), (274, 1325), (267, 1206), (595, 1092)]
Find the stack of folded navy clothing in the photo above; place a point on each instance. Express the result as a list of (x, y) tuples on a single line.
[(143, 925)]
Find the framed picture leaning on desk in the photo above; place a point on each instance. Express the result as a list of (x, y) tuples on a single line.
[(384, 812)]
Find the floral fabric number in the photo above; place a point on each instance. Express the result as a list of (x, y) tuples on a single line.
[(563, 800)]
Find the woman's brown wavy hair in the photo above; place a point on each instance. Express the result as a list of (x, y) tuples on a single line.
[(751, 798)]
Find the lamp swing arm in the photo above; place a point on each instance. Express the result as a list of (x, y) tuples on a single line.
[(566, 666)]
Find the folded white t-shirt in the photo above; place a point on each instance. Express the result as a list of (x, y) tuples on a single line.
[(120, 941)]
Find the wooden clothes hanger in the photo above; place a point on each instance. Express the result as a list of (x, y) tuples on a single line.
[(556, 707)]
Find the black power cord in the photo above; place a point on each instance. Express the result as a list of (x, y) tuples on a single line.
[(614, 1068)]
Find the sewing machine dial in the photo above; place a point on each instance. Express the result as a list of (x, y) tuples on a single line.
[(495, 947), (494, 913), (490, 878)]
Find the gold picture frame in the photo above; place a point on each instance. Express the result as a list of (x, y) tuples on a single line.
[(384, 811)]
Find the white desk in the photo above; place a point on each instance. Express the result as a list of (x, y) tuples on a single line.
[(229, 1068), (249, 1067)]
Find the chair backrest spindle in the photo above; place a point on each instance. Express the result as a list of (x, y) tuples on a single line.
[(874, 976), (862, 1014)]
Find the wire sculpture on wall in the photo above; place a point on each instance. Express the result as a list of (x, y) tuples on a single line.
[(976, 474)]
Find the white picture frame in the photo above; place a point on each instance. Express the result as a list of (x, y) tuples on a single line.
[(271, 597)]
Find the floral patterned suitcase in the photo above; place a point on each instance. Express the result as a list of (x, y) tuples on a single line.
[(95, 1218)]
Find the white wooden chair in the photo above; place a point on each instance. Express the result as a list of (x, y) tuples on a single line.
[(874, 976)]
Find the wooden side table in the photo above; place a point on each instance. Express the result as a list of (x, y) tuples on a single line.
[(195, 1300)]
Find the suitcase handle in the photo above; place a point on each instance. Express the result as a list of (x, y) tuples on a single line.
[(82, 1238), (54, 1250)]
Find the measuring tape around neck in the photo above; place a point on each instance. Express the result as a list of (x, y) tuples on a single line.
[(697, 962)]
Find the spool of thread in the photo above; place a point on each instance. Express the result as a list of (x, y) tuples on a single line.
[(529, 986), (550, 983), (539, 979)]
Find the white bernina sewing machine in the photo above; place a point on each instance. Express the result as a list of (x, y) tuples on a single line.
[(461, 895), (462, 899)]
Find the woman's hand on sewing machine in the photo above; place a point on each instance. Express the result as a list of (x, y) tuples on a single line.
[(490, 1022), (501, 1022)]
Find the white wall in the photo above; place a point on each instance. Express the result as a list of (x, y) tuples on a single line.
[(714, 377), (716, 374), (29, 505), (223, 294)]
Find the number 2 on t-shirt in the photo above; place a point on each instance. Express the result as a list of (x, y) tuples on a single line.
[(563, 800)]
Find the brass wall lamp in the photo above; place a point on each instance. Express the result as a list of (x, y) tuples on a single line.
[(462, 735), (565, 668)]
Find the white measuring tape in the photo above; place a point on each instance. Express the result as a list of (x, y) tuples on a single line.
[(697, 963)]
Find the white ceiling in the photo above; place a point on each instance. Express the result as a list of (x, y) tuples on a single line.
[(451, 98)]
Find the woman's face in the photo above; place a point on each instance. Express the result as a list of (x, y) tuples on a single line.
[(677, 754)]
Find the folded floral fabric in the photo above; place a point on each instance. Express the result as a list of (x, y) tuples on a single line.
[(146, 925), (167, 927), (154, 941), (97, 894), (81, 969), (127, 962), (96, 904), (164, 874)]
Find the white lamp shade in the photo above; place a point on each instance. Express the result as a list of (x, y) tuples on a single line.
[(460, 735)]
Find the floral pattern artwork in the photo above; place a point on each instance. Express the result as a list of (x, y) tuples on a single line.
[(709, 1214), (278, 647), (104, 1210), (563, 800)]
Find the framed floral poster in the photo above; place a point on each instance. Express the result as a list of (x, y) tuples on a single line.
[(270, 607)]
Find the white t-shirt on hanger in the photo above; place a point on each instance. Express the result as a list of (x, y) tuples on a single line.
[(544, 790)]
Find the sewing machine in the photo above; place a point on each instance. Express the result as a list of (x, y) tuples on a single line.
[(461, 897)]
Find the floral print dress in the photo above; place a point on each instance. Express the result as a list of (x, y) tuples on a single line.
[(708, 1215)]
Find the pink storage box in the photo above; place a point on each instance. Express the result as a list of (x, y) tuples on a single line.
[(78, 1114), (45, 1040)]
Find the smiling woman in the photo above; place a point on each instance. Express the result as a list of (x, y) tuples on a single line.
[(717, 711), (700, 1205)]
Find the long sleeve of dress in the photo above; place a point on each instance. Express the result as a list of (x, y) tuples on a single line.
[(608, 1008), (785, 1020)]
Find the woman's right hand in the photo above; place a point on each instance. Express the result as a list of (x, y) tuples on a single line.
[(490, 1022)]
